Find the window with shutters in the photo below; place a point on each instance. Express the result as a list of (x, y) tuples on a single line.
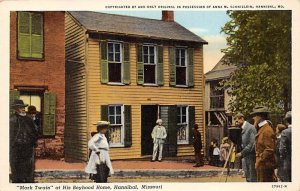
[(216, 95), (182, 124), (30, 35), (114, 62), (116, 119), (149, 64), (181, 66)]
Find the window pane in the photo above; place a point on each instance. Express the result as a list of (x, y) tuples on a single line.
[(151, 50), (23, 22), (117, 48), (152, 59), (117, 57), (146, 59), (115, 134), (146, 50), (178, 119), (118, 110), (118, 120), (182, 61), (181, 133), (112, 119), (111, 110), (180, 75), (110, 56), (114, 72), (149, 74), (36, 101), (183, 119), (110, 48), (177, 57), (182, 53)]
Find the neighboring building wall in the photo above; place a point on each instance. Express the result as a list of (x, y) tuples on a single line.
[(76, 112), (48, 73), (136, 95)]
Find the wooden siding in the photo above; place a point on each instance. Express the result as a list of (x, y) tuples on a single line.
[(76, 138), (136, 95)]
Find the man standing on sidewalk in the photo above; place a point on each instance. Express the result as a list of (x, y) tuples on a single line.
[(248, 147), (265, 145), (159, 135), (23, 134), (197, 143)]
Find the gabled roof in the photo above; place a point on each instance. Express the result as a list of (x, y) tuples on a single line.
[(134, 26), (220, 71)]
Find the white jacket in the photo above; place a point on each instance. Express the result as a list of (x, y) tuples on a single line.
[(98, 143)]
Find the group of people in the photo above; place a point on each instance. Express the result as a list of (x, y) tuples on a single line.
[(265, 156)]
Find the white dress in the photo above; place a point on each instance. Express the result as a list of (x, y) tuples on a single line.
[(98, 143)]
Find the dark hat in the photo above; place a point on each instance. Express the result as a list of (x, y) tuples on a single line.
[(31, 109), (19, 104), (259, 110)]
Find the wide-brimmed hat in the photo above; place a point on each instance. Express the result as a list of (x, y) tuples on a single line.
[(101, 124), (288, 115), (31, 109), (159, 121), (18, 103), (259, 110)]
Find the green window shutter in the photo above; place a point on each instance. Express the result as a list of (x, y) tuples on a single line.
[(128, 126), (172, 66), (140, 64), (24, 38), (103, 62), (160, 66), (126, 63), (37, 35), (104, 117), (191, 67), (49, 114), (191, 122), (13, 95)]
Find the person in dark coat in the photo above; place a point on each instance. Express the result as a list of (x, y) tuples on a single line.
[(197, 143), (279, 162), (23, 137), (285, 148), (248, 147), (264, 145)]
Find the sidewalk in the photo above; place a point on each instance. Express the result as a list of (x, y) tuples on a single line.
[(130, 168)]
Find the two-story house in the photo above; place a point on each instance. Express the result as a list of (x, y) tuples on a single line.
[(37, 73), (217, 114), (131, 71)]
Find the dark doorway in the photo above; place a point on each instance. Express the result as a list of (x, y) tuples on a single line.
[(149, 117)]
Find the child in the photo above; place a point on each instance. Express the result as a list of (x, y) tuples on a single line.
[(216, 155), (99, 165)]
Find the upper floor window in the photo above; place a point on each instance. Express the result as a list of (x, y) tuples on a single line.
[(114, 62), (216, 95), (149, 64), (30, 35), (181, 66)]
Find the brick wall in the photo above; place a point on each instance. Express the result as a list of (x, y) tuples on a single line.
[(49, 73)]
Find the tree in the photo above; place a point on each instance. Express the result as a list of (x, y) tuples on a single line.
[(259, 44)]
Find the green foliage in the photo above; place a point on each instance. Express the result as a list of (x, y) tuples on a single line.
[(259, 44)]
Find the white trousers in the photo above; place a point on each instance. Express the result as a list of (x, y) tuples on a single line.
[(157, 146)]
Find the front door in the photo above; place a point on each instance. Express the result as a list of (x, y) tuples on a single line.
[(149, 117)]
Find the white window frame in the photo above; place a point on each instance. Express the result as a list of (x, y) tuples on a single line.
[(114, 60), (155, 61), (181, 142), (179, 66), (122, 125)]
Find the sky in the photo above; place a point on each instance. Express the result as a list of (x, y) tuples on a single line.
[(206, 24)]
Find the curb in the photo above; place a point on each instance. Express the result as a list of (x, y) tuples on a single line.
[(61, 174)]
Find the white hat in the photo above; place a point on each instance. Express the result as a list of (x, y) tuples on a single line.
[(288, 115), (102, 123), (159, 121)]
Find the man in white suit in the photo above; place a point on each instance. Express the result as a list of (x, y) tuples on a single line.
[(159, 134)]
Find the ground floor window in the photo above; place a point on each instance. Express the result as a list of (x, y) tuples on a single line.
[(182, 125), (116, 119)]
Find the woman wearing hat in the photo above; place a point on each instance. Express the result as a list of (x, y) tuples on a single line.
[(99, 164), (159, 135), (264, 145)]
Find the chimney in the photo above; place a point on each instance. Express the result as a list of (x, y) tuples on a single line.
[(168, 16)]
